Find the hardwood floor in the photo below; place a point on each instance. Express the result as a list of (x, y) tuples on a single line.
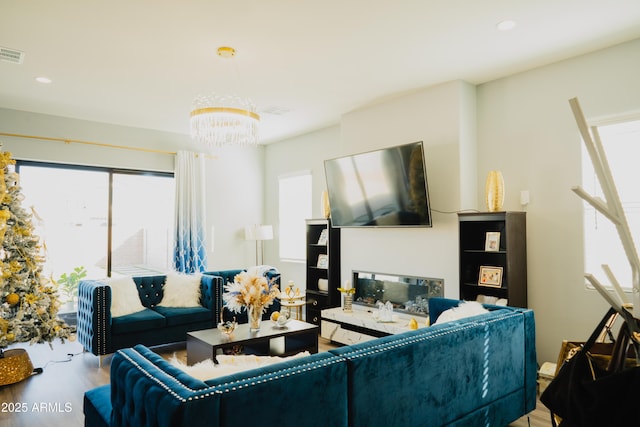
[(54, 397)]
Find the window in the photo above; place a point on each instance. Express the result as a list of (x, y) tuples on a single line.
[(294, 208), (110, 222), (602, 243), (141, 232)]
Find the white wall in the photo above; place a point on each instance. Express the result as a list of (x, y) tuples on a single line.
[(32, 124), (234, 200), (526, 129), (234, 177), (434, 116), (443, 117), (303, 153)]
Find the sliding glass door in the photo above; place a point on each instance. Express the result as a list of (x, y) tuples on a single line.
[(142, 213), (108, 221)]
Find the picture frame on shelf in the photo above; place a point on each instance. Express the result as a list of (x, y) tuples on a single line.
[(492, 241), (490, 276), (324, 237), (323, 261)]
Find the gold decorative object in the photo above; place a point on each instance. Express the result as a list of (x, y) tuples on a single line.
[(348, 292), (326, 208), (494, 191), (292, 291), (413, 324), (15, 366), (348, 303)]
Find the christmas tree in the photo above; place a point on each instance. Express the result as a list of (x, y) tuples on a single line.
[(29, 301)]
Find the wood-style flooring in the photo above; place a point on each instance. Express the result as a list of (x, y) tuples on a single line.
[(54, 397)]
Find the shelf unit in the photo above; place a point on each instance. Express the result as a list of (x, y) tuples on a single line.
[(510, 255), (323, 263)]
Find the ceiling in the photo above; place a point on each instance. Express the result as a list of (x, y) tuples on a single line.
[(304, 63)]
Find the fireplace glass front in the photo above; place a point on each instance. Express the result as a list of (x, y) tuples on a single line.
[(408, 294)]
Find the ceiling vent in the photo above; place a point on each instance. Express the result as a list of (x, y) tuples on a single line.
[(11, 55)]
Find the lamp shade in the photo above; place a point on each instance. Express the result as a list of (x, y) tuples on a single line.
[(258, 232), (264, 232)]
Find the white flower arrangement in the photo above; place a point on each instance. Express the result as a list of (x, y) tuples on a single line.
[(250, 290)]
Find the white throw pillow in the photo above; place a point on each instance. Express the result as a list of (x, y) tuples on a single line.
[(181, 290), (463, 310), (124, 296), (207, 369)]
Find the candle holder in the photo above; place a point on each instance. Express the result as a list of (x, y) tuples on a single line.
[(348, 299)]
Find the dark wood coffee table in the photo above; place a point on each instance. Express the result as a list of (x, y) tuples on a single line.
[(294, 337)]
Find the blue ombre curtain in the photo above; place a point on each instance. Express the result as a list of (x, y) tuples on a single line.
[(190, 255)]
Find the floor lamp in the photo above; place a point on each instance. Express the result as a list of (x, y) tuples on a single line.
[(259, 233)]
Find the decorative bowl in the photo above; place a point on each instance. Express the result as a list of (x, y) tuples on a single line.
[(281, 319)]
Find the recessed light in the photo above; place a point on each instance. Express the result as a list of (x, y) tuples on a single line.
[(45, 80), (506, 25)]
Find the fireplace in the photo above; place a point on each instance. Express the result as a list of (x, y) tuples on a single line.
[(408, 294)]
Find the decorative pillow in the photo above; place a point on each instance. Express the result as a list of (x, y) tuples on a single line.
[(227, 365), (124, 296), (181, 290), (463, 310)]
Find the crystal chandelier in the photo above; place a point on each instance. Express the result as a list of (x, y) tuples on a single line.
[(220, 120)]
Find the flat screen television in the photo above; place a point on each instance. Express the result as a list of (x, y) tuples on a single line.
[(382, 188)]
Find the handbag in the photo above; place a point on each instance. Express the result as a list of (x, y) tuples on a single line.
[(585, 393)]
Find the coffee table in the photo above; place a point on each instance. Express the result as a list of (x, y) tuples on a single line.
[(294, 337)]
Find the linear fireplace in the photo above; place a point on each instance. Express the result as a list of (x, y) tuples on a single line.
[(408, 294)]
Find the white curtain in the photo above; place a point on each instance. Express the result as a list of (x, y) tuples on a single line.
[(190, 255)]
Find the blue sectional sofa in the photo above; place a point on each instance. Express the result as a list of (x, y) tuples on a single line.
[(479, 371), (102, 334)]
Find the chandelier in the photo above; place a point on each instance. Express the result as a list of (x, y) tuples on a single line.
[(221, 120)]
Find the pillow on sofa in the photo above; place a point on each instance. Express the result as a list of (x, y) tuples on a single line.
[(463, 310), (124, 296), (208, 370), (181, 290)]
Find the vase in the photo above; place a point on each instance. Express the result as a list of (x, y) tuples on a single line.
[(254, 313), (324, 202), (494, 191)]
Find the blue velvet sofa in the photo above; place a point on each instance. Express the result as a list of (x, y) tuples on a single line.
[(479, 371), (102, 334)]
